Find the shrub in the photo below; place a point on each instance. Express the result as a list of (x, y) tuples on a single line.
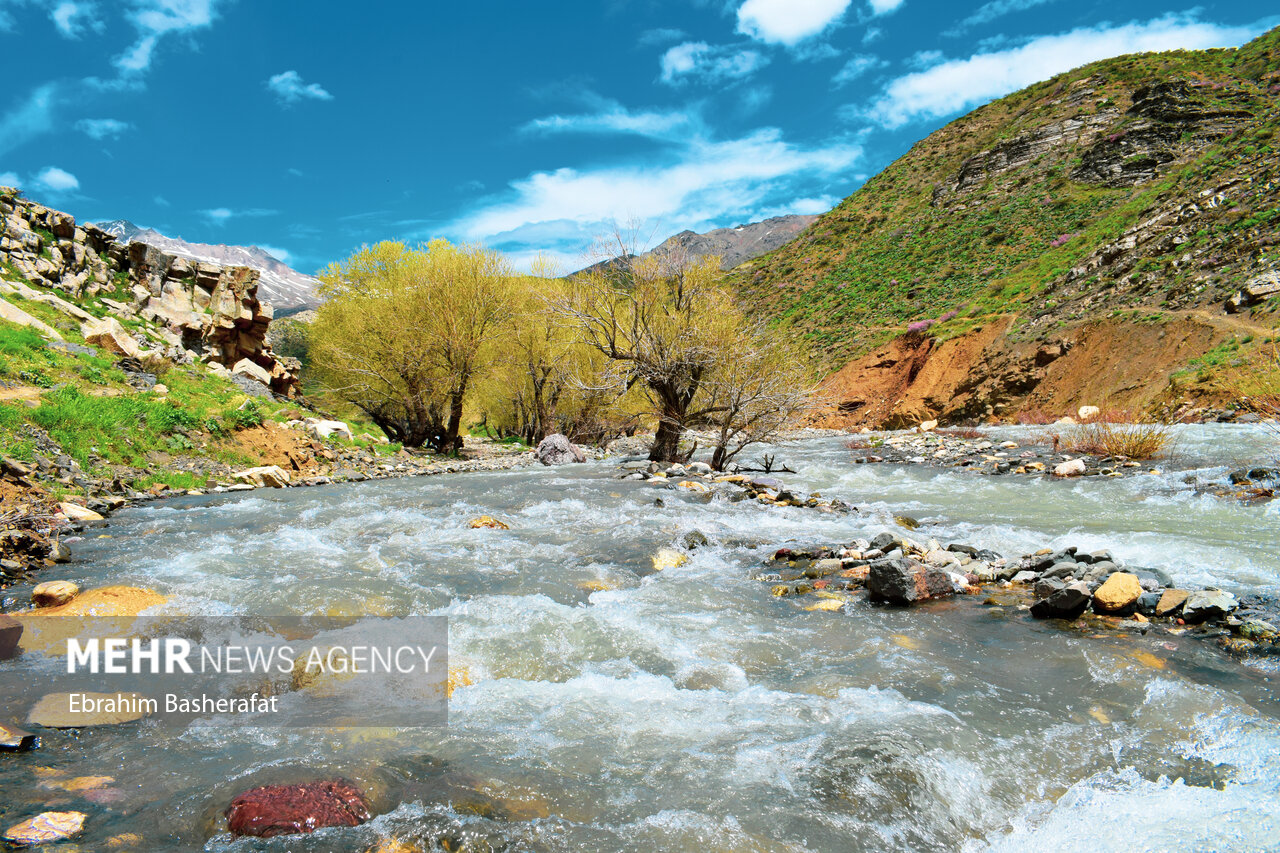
[(1035, 417), (1128, 440), (246, 417)]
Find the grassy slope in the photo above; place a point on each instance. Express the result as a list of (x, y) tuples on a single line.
[(109, 428), (889, 255)]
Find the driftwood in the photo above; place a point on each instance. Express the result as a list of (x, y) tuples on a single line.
[(769, 467)]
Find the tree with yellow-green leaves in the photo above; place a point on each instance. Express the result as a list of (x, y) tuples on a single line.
[(403, 334), (669, 327)]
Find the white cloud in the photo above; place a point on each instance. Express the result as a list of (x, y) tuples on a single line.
[(222, 215), (661, 35), (29, 119), (155, 18), (290, 88), (698, 61), (102, 128), (856, 67), (884, 7), (10, 179), (613, 117), (706, 184), (276, 252), (161, 201), (988, 12), (57, 180), (73, 19), (788, 22), (953, 85)]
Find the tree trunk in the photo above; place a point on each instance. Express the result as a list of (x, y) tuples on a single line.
[(452, 442), (666, 441)]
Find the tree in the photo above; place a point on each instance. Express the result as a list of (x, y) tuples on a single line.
[(404, 333), (669, 326)]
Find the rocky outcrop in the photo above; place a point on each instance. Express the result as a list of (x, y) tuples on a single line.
[(203, 311), (1255, 291)]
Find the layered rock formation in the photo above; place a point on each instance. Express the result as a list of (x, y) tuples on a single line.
[(204, 311)]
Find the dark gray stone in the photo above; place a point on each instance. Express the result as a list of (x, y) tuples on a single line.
[(901, 581), (1067, 603), (1207, 605)]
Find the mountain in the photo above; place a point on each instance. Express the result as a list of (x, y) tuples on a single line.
[(734, 245), (285, 288), (1079, 238)]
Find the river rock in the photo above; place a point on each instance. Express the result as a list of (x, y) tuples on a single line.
[(16, 740), (1207, 605), (1070, 468), (668, 558), (1120, 592), (1171, 601), (53, 593), (1067, 603), (271, 476), (701, 468), (1087, 413), (45, 828), (10, 636), (106, 612), (556, 449), (900, 581), (55, 711), (273, 810), (487, 522), (75, 512)]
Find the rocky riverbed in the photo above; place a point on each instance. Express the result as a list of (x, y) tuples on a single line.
[(625, 675)]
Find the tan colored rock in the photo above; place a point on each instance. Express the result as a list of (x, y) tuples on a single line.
[(487, 521), (1121, 590), (53, 593), (1070, 468), (111, 336), (75, 512), (668, 558), (45, 828), (79, 710), (1171, 601), (271, 476), (160, 388), (106, 612), (14, 314), (928, 426), (1087, 413), (245, 367)]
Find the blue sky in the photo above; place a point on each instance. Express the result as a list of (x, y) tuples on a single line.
[(313, 127)]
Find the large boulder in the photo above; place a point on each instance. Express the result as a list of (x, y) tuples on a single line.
[(245, 367), (53, 593), (324, 429), (292, 809), (1120, 592), (901, 581), (14, 314), (556, 449), (111, 336), (1255, 291), (1070, 468)]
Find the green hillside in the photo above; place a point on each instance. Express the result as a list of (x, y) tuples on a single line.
[(1026, 205)]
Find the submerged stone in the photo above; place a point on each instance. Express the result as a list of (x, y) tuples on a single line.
[(45, 828), (273, 810)]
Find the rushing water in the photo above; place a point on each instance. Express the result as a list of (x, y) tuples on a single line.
[(688, 709)]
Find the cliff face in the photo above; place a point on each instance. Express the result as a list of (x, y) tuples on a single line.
[(202, 310), (1133, 193)]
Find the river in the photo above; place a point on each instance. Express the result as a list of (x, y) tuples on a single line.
[(615, 708)]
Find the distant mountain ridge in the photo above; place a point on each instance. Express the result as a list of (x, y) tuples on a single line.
[(735, 245), (286, 289)]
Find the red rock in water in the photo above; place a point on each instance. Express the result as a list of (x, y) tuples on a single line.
[(291, 809)]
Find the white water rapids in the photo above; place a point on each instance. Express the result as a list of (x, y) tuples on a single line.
[(689, 709)]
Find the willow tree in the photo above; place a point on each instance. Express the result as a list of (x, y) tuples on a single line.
[(404, 333)]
